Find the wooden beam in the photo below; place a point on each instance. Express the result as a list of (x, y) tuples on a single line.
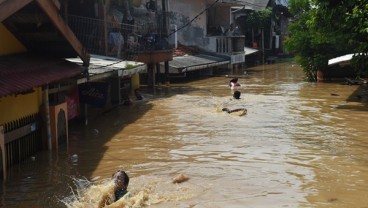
[(53, 13), (10, 7)]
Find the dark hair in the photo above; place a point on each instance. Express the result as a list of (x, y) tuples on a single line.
[(236, 95), (125, 175), (234, 80)]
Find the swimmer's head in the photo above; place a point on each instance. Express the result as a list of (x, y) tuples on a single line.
[(236, 95), (121, 179)]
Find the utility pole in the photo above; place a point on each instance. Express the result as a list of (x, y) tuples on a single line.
[(165, 36), (263, 50)]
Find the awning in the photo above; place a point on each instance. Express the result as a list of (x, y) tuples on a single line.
[(21, 73), (101, 66), (341, 59), (249, 4), (249, 51), (282, 3), (182, 64)]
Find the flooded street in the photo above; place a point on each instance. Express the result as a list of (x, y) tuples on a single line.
[(300, 145)]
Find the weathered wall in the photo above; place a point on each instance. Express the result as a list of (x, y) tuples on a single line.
[(219, 16), (181, 13), (15, 107), (9, 44)]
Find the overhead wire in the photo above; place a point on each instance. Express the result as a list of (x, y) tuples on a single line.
[(198, 15)]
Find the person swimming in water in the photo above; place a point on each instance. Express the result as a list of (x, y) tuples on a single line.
[(121, 182), (233, 84), (236, 96)]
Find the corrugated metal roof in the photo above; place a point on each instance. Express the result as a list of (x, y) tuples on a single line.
[(249, 51), (104, 64), (101, 64), (250, 4), (21, 73), (341, 59), (282, 3), (186, 63)]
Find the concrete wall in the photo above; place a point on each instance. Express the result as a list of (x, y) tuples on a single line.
[(196, 34), (182, 12), (15, 107)]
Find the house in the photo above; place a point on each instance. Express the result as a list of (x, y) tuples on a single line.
[(213, 28), (60, 58), (218, 28), (33, 73), (131, 31)]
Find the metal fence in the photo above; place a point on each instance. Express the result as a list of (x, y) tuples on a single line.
[(121, 40), (19, 139)]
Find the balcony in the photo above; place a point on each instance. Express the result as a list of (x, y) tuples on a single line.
[(232, 46), (139, 42)]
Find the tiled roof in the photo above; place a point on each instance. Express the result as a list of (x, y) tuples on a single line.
[(182, 50), (21, 73)]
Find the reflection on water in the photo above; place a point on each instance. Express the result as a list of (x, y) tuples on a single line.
[(300, 145)]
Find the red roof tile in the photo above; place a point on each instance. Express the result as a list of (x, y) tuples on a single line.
[(21, 73), (182, 50)]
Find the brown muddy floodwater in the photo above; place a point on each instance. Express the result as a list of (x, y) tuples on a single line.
[(300, 145)]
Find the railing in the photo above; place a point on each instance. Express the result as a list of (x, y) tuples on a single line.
[(110, 38), (232, 46), (227, 44), (19, 139)]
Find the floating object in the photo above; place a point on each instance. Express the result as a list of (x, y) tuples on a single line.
[(95, 132), (180, 178), (74, 158), (236, 112)]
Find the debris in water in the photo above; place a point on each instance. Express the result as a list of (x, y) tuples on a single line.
[(74, 158), (95, 132), (180, 178)]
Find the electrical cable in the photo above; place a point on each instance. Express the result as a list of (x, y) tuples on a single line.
[(185, 25)]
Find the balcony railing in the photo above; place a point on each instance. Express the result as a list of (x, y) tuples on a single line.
[(227, 44), (232, 46), (110, 38)]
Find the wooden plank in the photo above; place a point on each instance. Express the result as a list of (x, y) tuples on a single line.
[(10, 7), (53, 13)]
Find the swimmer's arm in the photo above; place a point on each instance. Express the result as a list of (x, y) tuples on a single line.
[(104, 201), (236, 110)]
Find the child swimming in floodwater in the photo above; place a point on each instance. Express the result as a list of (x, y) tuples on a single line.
[(121, 182), (231, 107), (233, 84)]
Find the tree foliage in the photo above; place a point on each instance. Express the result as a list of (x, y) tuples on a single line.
[(324, 29)]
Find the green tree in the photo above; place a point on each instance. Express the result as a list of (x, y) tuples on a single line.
[(324, 29)]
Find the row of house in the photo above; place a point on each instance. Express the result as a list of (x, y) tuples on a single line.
[(60, 58)]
